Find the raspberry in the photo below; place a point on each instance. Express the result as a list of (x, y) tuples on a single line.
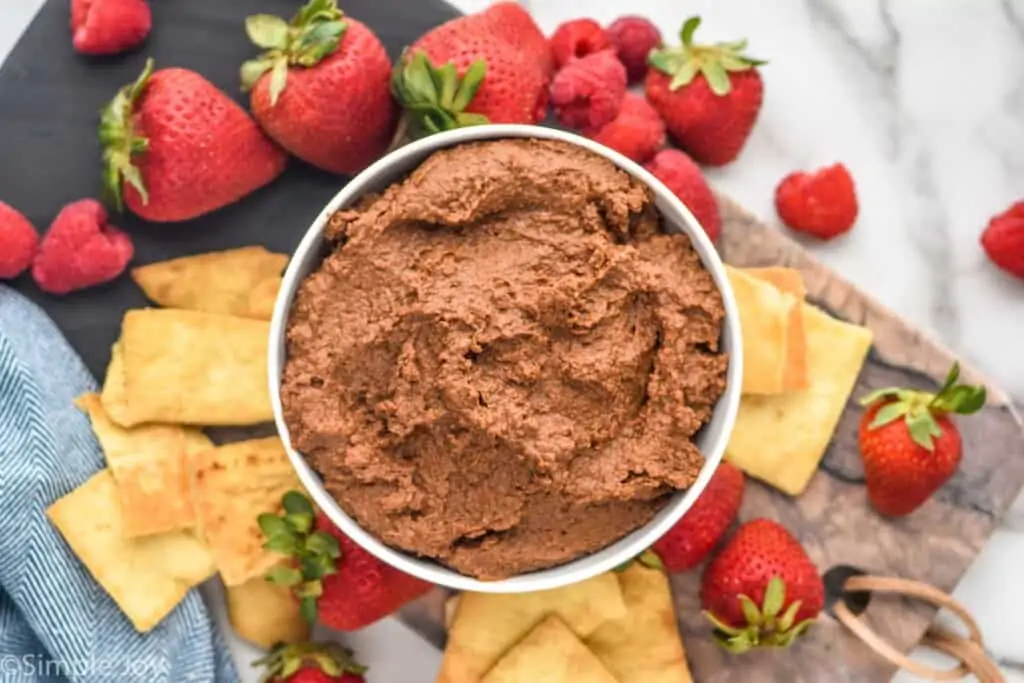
[(633, 39), (822, 204), (637, 132), (576, 39), (18, 243), (588, 92), (80, 250), (1003, 240), (684, 178)]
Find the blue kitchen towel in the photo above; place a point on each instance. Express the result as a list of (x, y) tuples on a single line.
[(56, 623)]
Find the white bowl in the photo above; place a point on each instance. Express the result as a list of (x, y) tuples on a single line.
[(711, 440)]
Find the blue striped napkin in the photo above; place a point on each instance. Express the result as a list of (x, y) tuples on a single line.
[(56, 623)]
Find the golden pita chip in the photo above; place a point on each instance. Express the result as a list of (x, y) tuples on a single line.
[(265, 614), (781, 439), (188, 367), (486, 625), (114, 396), (217, 282), (764, 324), (233, 485), (147, 577), (644, 646), (148, 464), (261, 300), (550, 653), (790, 281), (196, 442)]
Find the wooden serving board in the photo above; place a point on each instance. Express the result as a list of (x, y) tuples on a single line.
[(936, 544), (49, 99)]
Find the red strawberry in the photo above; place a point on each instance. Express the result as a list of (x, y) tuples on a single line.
[(638, 131), (1003, 240), (513, 23), (322, 90), (909, 445), (18, 242), (334, 578), (822, 204), (694, 536), (588, 92), (310, 663), (175, 147), (685, 180), (576, 39), (106, 27), (462, 74), (709, 95), (761, 590), (80, 250), (633, 39)]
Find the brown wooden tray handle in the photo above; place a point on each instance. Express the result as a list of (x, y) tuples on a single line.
[(970, 650)]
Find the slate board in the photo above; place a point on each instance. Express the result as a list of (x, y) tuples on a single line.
[(49, 99)]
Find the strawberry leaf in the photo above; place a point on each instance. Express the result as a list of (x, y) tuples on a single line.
[(684, 75), (651, 560), (296, 503), (717, 77), (888, 413), (751, 612), (774, 597), (283, 575), (278, 80), (267, 31), (471, 82), (689, 28), (121, 142), (789, 616), (922, 428)]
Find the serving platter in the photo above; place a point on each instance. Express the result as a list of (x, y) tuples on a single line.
[(49, 99)]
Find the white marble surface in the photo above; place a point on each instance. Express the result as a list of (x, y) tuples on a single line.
[(924, 102)]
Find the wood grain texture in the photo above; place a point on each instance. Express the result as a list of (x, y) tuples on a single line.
[(833, 520)]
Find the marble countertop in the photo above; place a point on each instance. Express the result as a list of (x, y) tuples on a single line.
[(924, 102)]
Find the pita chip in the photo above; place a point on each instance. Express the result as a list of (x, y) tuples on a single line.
[(148, 465), (216, 282), (233, 484), (188, 367), (147, 577), (764, 323), (790, 281), (486, 625), (782, 439), (644, 646), (550, 653)]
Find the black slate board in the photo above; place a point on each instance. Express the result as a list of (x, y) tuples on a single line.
[(49, 102)]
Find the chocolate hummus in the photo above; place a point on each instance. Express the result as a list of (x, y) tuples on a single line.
[(503, 362)]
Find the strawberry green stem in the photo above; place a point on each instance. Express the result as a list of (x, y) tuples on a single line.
[(312, 554), (313, 33), (920, 409), (435, 97), (714, 62), (283, 661), (767, 625), (121, 142)]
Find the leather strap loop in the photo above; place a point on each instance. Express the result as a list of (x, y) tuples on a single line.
[(969, 651)]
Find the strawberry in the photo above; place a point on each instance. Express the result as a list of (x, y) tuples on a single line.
[(462, 74), (709, 95), (637, 132), (321, 90), (81, 249), (684, 178), (513, 23), (175, 147), (909, 445), (761, 590), (107, 27), (822, 204), (694, 536), (333, 577), (1003, 240), (576, 39), (633, 39), (310, 663), (18, 242)]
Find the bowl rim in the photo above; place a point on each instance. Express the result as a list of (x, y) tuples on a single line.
[(581, 568)]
